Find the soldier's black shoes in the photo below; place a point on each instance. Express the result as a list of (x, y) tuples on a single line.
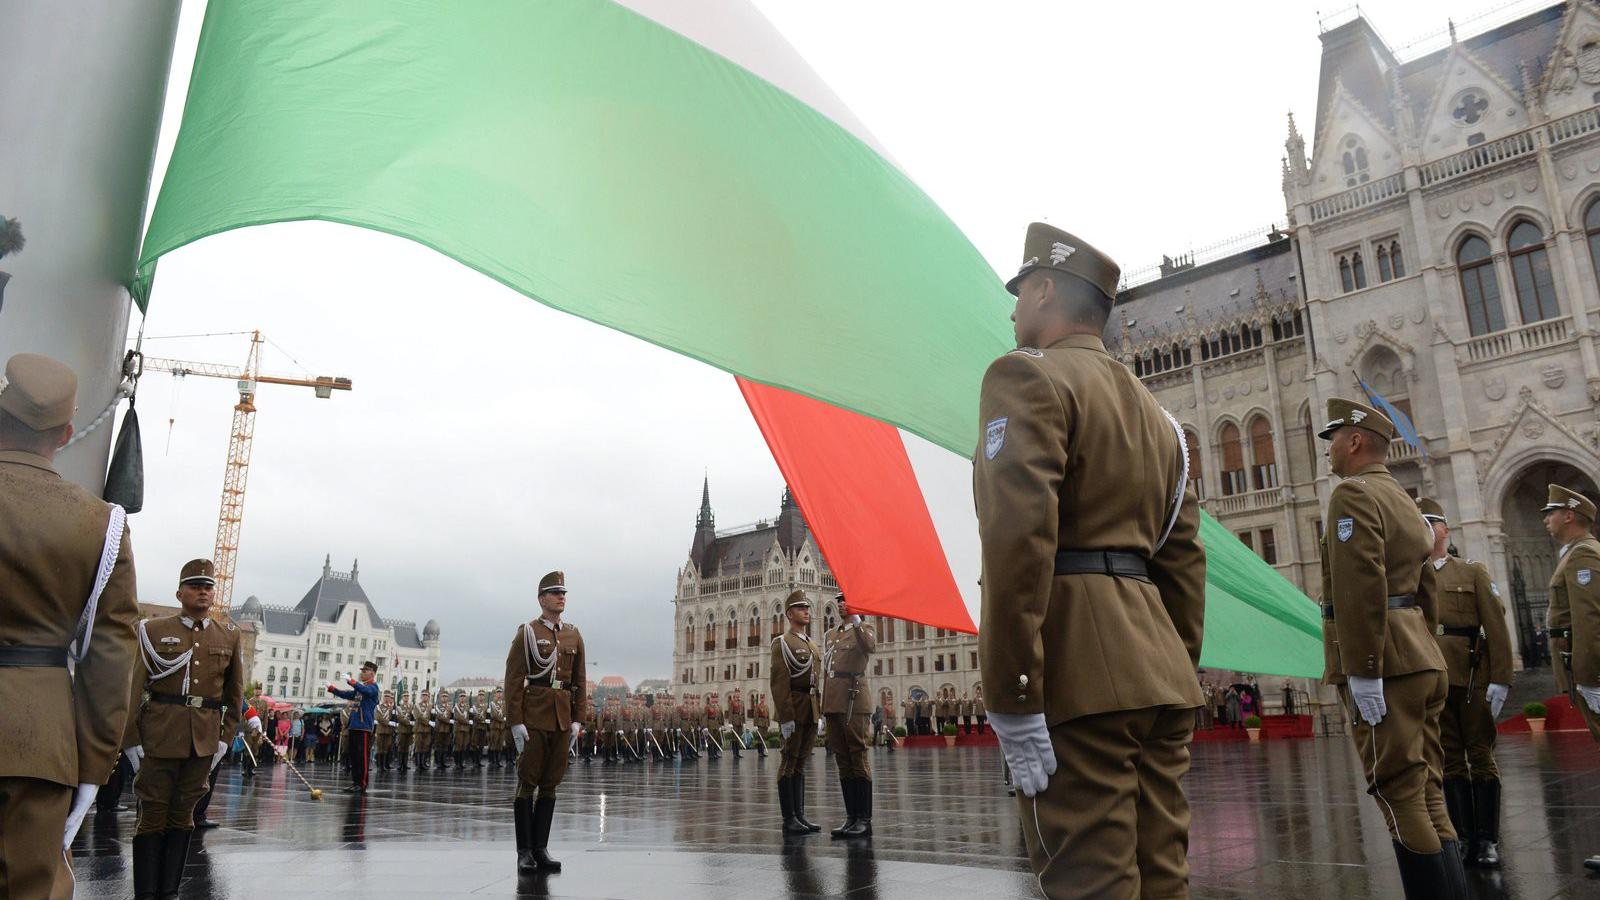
[(544, 810), (174, 855), (798, 786), (1455, 875), (204, 823), (1426, 876), (146, 865), (1486, 811), (858, 807), (791, 825), (1592, 863), (522, 814)]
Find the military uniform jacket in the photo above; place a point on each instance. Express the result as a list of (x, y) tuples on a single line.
[(443, 718), (1077, 455), (497, 723), (1575, 604), (215, 672), (53, 726), (763, 718), (1467, 598), (794, 685), (386, 720), (1377, 546), (910, 707), (966, 708), (978, 708), (850, 647), (406, 714), (530, 700)]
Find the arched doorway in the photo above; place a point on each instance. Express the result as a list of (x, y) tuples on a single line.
[(1530, 555)]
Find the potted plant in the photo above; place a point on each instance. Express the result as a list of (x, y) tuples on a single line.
[(1252, 726), (1535, 713), (950, 735), (900, 731)]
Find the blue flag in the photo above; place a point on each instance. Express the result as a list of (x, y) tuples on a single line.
[(1402, 422)]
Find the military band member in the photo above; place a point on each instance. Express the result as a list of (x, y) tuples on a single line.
[(497, 729), (1380, 611), (384, 730), (1574, 614), (187, 698), (545, 705), (794, 683), (59, 732), (847, 707), (1476, 644), (1093, 588), (423, 735), (405, 730)]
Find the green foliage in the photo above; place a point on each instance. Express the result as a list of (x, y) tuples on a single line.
[(1534, 710), (1252, 721), (949, 730)]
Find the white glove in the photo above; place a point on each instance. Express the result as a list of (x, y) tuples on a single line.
[(1025, 741), (216, 758), (854, 620), (786, 729), (1591, 696), (81, 798), (519, 735), (1496, 695), (253, 723), (1368, 694), (135, 755)]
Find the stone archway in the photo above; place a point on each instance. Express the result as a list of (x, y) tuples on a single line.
[(1529, 555)]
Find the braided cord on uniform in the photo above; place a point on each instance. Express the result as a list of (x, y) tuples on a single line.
[(102, 576), (796, 669), (538, 666), (158, 666), (1183, 480)]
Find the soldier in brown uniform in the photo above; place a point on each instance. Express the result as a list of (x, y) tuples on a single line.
[(762, 715), (405, 731), (1093, 588), (1379, 614), (385, 727), (545, 705), (186, 700), (497, 729), (424, 730), (847, 706), (1574, 614), (794, 664), (444, 723), (981, 711), (58, 733), (1476, 644)]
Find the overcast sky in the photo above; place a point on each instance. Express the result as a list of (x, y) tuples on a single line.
[(490, 439)]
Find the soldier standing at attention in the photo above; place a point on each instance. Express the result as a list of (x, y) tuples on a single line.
[(1093, 588), (763, 719), (424, 730), (405, 733), (847, 703), (362, 712), (59, 730), (387, 726), (545, 706), (187, 699), (980, 711), (443, 730), (497, 729), (794, 664), (1379, 613), (1574, 614), (1476, 644)]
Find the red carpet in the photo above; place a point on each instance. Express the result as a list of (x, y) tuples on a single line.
[(1560, 717)]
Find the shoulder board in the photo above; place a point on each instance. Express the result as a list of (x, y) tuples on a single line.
[(1030, 352)]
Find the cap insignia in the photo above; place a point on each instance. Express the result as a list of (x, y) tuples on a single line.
[(1060, 252), (1356, 416)]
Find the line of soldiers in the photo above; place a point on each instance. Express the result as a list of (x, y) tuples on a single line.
[(929, 715), (437, 733), (666, 727)]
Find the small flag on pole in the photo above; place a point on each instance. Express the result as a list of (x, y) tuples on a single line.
[(1402, 422)]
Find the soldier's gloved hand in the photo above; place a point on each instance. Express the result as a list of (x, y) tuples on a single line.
[(135, 755), (1025, 741), (1368, 694), (81, 798), (1591, 696), (787, 730), (854, 620), (1496, 695), (577, 727), (216, 758), (519, 735)]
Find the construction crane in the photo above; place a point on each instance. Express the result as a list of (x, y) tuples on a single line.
[(226, 556)]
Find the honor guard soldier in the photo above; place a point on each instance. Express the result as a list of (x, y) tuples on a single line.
[(1379, 614), (424, 730), (545, 705), (59, 728), (909, 706), (1476, 644), (735, 720), (497, 729), (847, 706), (979, 710), (187, 697), (1093, 588), (1574, 614), (405, 732), (444, 717), (794, 664), (387, 726), (762, 715)]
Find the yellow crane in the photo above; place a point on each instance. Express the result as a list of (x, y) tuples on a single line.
[(237, 471)]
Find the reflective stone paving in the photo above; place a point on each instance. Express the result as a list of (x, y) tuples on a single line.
[(1272, 820)]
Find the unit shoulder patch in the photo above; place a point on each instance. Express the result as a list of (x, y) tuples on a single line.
[(1585, 576), (1346, 528), (994, 437)]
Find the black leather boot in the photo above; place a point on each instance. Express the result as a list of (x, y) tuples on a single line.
[(1423, 875), (791, 825), (1458, 804), (861, 827), (146, 865), (1486, 809), (174, 855), (522, 813), (1455, 875), (847, 788), (544, 810), (799, 788)]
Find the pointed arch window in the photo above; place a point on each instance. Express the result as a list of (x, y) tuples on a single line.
[(754, 638), (1358, 269), (1346, 283), (1480, 290), (710, 643), (1233, 480), (1396, 261), (1196, 473), (688, 635), (1264, 471), (777, 619), (1353, 157), (1384, 271), (1591, 227), (1531, 274)]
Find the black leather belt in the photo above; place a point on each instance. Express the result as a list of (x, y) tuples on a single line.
[(1458, 631), (188, 700), (1116, 563), (1399, 601), (22, 656), (554, 684), (845, 674)]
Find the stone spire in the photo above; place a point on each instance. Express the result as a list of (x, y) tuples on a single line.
[(705, 529), (791, 523), (355, 564), (1295, 147), (327, 565)]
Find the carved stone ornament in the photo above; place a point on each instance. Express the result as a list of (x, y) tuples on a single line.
[(1192, 403), (1524, 394), (1530, 182), (1569, 171), (1245, 389), (1486, 196), (1494, 387), (1533, 429), (1591, 164), (1553, 376), (1508, 189), (1397, 320), (1565, 76), (1592, 435), (1594, 393), (1464, 203), (1342, 336), (1227, 393), (1588, 59), (1418, 314), (1442, 209), (1285, 376)]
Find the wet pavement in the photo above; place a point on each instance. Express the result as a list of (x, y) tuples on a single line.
[(1279, 819)]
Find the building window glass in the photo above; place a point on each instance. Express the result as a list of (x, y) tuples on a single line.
[(1247, 539), (1530, 272), (1396, 261), (1353, 154), (1269, 546), (1480, 290), (1591, 226), (1264, 472), (1358, 269), (1233, 480)]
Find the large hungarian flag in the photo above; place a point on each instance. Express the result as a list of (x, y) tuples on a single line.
[(672, 170)]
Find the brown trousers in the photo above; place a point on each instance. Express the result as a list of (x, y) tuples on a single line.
[(848, 741), (1466, 735), (1113, 823), (543, 763), (1402, 760), (168, 787), (33, 816), (797, 749)]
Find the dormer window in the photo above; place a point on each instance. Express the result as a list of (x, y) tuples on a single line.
[(1353, 153), (1469, 107)]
